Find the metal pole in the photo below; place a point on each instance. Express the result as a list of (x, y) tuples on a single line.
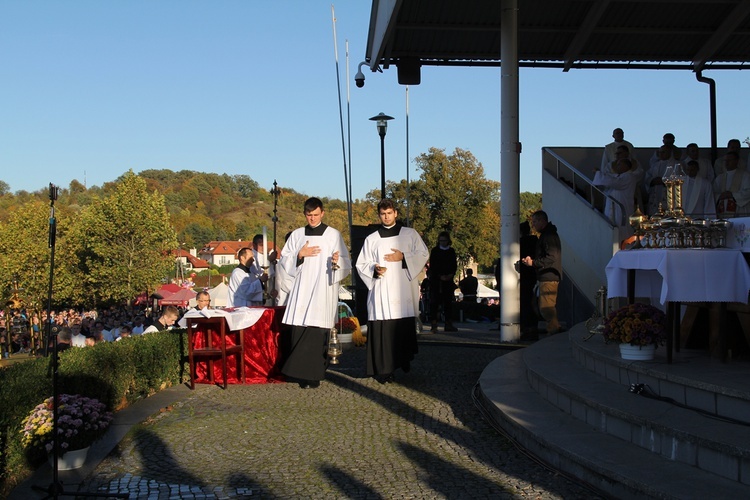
[(382, 162)]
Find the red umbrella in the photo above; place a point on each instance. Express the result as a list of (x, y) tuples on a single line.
[(180, 298)]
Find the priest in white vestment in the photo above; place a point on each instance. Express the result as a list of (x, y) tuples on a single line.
[(389, 264), (620, 186), (697, 194), (610, 150), (316, 259), (732, 190)]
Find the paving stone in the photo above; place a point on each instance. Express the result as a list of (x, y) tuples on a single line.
[(420, 437)]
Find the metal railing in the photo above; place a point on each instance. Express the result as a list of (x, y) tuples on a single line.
[(580, 184)]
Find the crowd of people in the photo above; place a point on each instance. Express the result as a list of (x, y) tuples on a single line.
[(709, 191), (78, 328)]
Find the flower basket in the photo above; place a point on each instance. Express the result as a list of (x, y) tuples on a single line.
[(350, 326), (637, 325), (80, 422)]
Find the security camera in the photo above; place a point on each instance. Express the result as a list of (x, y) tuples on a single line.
[(359, 79)]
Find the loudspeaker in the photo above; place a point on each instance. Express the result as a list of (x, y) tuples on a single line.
[(409, 71)]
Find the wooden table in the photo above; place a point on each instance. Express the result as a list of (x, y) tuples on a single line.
[(261, 329)]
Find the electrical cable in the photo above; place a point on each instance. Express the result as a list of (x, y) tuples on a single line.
[(646, 391)]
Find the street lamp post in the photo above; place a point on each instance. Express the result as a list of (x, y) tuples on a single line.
[(382, 123)]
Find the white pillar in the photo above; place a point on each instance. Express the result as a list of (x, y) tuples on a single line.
[(510, 150)]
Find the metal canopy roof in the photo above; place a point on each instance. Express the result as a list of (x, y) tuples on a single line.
[(658, 34)]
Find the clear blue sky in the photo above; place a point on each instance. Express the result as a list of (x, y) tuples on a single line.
[(90, 89)]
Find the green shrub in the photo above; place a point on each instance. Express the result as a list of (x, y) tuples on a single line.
[(115, 373)]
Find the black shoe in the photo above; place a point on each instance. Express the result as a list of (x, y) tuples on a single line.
[(313, 384), (384, 379), (304, 384), (450, 328)]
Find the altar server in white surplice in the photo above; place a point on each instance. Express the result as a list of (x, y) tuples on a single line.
[(697, 194), (316, 259), (389, 264), (620, 185), (732, 189)]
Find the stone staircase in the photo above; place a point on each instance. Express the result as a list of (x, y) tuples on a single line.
[(577, 406)]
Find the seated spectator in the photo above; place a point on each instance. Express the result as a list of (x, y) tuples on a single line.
[(732, 189), (733, 146), (138, 325), (203, 301), (124, 332), (78, 339), (64, 337), (697, 193), (166, 320), (94, 339)]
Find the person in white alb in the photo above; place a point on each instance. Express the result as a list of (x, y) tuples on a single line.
[(732, 189), (245, 286), (697, 193), (316, 259)]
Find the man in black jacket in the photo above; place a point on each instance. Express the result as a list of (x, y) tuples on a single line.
[(548, 265)]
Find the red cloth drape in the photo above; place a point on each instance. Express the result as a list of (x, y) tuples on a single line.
[(262, 356)]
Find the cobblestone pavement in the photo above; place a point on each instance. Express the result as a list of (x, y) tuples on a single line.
[(420, 437)]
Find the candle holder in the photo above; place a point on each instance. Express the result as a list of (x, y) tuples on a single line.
[(636, 222)]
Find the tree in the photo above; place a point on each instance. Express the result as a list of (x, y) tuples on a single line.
[(529, 203), (25, 252), (123, 243), (4, 188), (453, 195)]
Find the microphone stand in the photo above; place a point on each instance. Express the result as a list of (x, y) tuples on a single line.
[(55, 489)]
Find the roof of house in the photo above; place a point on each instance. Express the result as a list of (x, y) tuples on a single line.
[(196, 262), (228, 247)]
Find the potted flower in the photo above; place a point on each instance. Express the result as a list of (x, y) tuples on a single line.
[(638, 328), (80, 422)]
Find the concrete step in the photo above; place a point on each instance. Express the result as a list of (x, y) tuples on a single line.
[(599, 437), (694, 378), (673, 432)]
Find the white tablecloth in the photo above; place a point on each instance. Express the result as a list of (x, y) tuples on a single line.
[(681, 275), (237, 319), (738, 236)]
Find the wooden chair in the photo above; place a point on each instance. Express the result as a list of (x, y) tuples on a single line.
[(211, 351)]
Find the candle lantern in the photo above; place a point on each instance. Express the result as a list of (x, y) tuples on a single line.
[(334, 346)]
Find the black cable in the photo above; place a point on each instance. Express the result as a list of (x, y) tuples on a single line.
[(646, 391)]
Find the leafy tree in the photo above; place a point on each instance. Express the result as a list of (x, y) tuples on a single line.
[(4, 188), (453, 195), (245, 186), (25, 252), (122, 245), (529, 203)]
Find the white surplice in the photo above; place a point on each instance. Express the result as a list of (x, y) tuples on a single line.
[(395, 295), (313, 298)]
